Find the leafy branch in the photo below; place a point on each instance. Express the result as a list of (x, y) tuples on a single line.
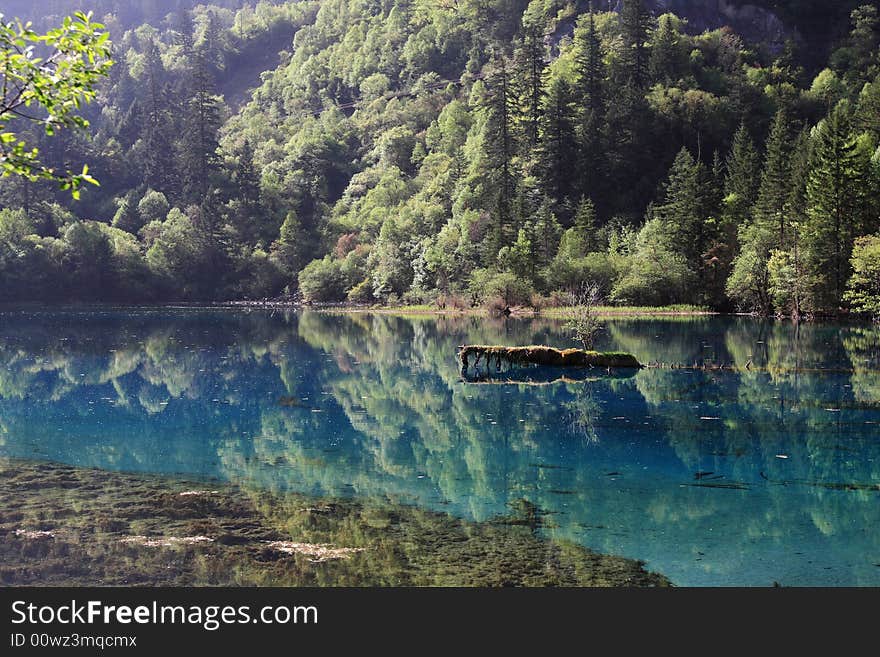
[(48, 90)]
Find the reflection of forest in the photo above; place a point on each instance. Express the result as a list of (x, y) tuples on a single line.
[(375, 408)]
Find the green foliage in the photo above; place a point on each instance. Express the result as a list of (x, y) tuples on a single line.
[(487, 285), (863, 287), (835, 214), (127, 217), (655, 272), (323, 280), (787, 282), (152, 207), (397, 151), (182, 256), (49, 90), (748, 284)]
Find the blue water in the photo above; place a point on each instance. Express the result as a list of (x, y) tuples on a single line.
[(763, 474)]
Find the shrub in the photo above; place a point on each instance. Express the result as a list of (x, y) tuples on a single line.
[(655, 274), (496, 306), (323, 280), (556, 299), (259, 277), (362, 292), (486, 284), (452, 301), (863, 293), (538, 302), (582, 320), (153, 207)]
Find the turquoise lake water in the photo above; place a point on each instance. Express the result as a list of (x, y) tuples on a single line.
[(745, 476)]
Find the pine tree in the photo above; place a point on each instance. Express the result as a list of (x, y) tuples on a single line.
[(544, 235), (796, 211), (589, 65), (558, 147), (635, 23), (775, 180), (665, 61), (530, 64), (590, 71), (211, 45), (748, 283), (290, 251), (182, 24), (867, 117), (199, 158), (248, 215), (796, 203), (741, 184), (500, 146), (208, 219), (682, 207), (631, 150), (586, 227), (864, 43), (127, 217), (157, 126), (833, 217), (716, 186), (766, 228)]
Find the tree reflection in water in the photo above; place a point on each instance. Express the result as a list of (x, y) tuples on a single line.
[(713, 477)]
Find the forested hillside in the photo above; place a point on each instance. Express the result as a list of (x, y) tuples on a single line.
[(466, 151)]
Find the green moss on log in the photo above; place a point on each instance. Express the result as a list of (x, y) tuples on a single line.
[(543, 355)]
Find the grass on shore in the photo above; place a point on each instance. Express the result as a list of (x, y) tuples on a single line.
[(556, 312)]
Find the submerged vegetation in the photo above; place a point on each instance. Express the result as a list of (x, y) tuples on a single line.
[(147, 530), (496, 153)]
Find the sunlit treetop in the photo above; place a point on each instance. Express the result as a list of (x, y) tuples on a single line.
[(44, 80)]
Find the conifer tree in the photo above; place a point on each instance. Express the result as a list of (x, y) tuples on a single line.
[(157, 126), (774, 192), (788, 276), (182, 24), (747, 284), (585, 225), (741, 183), (682, 207), (868, 113), (530, 63), (716, 186), (635, 24), (558, 145), (665, 61), (199, 157), (833, 216), (590, 71), (249, 217), (631, 149), (246, 177), (796, 203), (500, 147)]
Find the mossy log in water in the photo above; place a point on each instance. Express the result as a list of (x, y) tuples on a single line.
[(543, 355)]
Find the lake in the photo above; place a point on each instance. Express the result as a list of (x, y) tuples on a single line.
[(764, 471)]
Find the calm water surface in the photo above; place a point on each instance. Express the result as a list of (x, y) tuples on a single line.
[(746, 477)]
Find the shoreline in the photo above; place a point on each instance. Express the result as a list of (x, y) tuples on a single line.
[(425, 310), (555, 312)]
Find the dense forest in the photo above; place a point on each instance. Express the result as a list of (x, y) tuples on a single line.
[(462, 152)]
